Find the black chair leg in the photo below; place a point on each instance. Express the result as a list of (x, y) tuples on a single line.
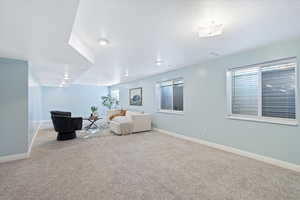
[(66, 136)]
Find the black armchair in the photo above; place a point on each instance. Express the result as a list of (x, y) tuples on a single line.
[(65, 125)]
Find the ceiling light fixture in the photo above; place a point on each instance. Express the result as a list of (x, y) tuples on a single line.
[(210, 30), (126, 73), (66, 77), (103, 42), (159, 62)]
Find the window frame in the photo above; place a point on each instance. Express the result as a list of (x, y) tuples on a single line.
[(259, 117), (158, 92), (114, 90)]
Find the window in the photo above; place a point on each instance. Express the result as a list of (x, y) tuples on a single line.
[(115, 94), (171, 96), (263, 92)]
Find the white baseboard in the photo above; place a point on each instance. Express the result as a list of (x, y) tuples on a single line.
[(272, 161), (9, 158), (21, 156), (46, 124), (33, 138)]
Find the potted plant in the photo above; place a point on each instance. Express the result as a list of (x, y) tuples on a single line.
[(109, 101), (94, 110)]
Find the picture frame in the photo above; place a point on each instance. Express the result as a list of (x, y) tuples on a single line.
[(136, 96)]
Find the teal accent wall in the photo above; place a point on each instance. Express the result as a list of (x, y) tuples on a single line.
[(77, 99), (13, 106), (205, 105)]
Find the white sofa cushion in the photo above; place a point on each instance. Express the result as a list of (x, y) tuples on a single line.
[(121, 119), (130, 113), (123, 127)]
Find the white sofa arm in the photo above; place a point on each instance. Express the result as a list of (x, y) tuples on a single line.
[(141, 122)]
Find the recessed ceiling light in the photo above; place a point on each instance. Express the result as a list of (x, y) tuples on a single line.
[(103, 42), (210, 30), (126, 73), (159, 62), (66, 77)]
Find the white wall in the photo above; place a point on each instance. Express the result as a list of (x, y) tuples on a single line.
[(205, 105)]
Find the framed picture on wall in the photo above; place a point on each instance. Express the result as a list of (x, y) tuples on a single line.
[(136, 96)]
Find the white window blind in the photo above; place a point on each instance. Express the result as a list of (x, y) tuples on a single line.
[(278, 91), (264, 90), (171, 95), (245, 91), (166, 99)]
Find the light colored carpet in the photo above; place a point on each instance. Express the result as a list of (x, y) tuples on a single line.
[(140, 166)]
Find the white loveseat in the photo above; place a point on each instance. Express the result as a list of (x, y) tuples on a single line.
[(133, 122)]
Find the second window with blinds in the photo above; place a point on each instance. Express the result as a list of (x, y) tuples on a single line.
[(263, 92), (170, 95)]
